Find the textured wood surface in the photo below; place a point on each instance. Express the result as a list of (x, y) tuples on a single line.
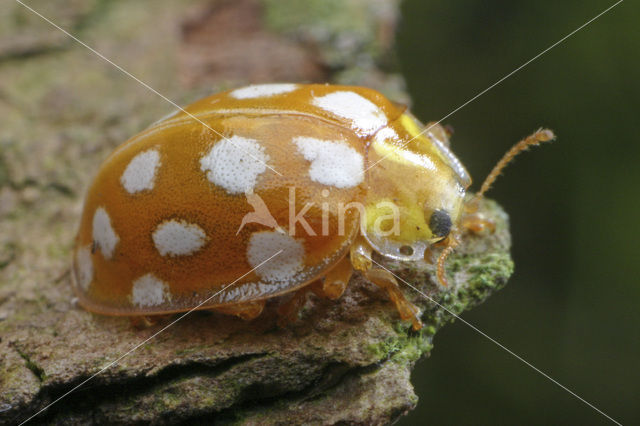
[(63, 109)]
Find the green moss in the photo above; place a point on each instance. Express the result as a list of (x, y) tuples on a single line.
[(414, 350), (382, 350), (429, 330), (484, 276), (403, 348)]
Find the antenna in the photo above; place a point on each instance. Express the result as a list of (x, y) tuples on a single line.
[(536, 138)]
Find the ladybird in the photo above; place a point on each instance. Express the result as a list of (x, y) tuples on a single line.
[(265, 190)]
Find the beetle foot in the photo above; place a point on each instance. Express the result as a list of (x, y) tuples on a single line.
[(407, 310), (429, 253), (247, 310), (145, 321), (478, 224), (288, 311), (336, 280)]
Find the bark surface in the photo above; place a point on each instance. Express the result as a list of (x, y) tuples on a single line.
[(63, 109)]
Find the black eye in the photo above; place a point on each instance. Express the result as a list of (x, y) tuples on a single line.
[(440, 223)]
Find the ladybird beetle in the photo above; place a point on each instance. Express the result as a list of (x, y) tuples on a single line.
[(265, 190)]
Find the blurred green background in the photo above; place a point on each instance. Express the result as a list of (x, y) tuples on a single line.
[(571, 308)]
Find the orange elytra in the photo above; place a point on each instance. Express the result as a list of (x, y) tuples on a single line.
[(265, 190)]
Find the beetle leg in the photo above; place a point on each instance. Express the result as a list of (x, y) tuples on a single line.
[(385, 279), (142, 321), (477, 223), (289, 310), (361, 260), (360, 255), (332, 287), (146, 321), (336, 280), (246, 310), (429, 252)]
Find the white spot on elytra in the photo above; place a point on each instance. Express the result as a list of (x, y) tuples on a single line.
[(84, 267), (235, 164), (141, 171), (148, 290), (282, 267), (177, 238), (332, 162), (103, 234), (263, 90), (363, 113)]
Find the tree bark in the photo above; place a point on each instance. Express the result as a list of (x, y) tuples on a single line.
[(63, 109)]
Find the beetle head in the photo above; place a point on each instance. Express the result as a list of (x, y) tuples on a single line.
[(416, 188)]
